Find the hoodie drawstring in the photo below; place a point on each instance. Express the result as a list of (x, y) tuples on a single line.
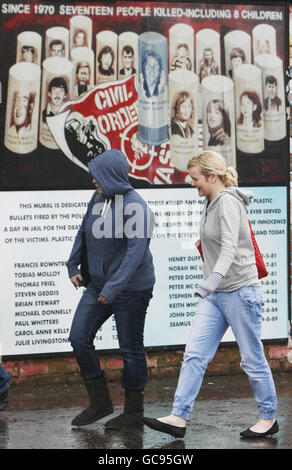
[(106, 206)]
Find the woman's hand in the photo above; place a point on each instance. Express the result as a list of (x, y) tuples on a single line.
[(77, 280), (222, 137)]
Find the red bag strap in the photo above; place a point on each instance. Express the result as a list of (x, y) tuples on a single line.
[(262, 270)]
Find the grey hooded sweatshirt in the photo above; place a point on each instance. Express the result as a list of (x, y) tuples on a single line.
[(226, 240)]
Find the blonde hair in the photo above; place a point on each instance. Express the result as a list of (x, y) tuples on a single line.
[(212, 162)]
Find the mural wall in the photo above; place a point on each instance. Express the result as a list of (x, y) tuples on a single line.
[(160, 81)]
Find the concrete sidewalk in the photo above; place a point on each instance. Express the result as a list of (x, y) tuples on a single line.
[(39, 417)]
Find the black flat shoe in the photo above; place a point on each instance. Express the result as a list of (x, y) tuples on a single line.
[(154, 423), (251, 434)]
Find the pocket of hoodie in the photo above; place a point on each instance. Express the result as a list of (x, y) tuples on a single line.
[(100, 269)]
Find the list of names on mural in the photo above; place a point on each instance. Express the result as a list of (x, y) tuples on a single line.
[(37, 237), (184, 275), (38, 308)]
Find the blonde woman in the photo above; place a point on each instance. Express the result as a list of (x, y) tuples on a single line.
[(231, 295)]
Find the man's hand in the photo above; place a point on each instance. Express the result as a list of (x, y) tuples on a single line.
[(103, 300), (77, 280)]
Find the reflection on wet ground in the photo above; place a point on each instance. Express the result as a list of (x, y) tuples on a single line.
[(39, 417)]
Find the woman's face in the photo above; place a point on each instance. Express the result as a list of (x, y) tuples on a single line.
[(200, 181), (185, 110), (247, 106), (214, 116), (106, 61)]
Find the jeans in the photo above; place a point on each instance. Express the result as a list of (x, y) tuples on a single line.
[(241, 310), (4, 379), (129, 309)]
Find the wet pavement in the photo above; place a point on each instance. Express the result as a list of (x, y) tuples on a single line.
[(39, 417)]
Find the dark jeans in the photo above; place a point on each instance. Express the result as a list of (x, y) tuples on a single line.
[(4, 379), (129, 309)]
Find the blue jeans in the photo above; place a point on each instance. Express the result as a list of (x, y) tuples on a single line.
[(4, 379), (241, 310), (129, 309)]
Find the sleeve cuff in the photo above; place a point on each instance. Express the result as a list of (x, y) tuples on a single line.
[(210, 285), (109, 293), (72, 271)]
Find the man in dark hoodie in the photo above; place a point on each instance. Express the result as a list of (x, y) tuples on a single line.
[(117, 227)]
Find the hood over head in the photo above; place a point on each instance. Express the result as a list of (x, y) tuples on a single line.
[(110, 169), (242, 195)]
